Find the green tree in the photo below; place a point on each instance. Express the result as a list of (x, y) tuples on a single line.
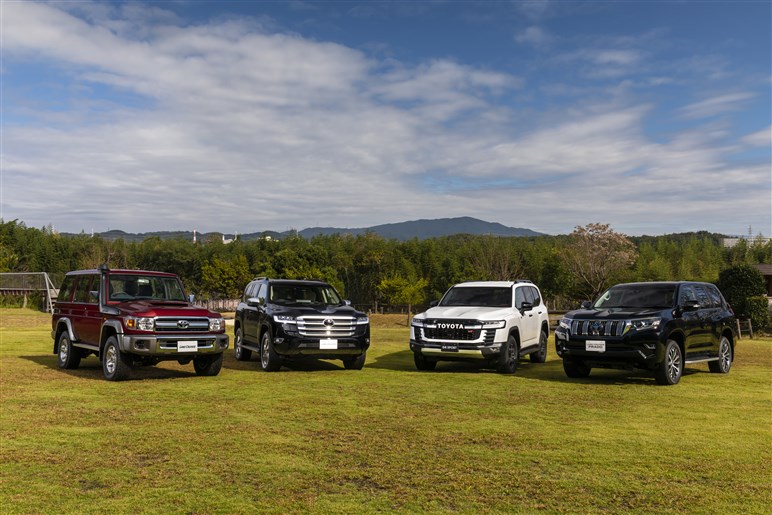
[(743, 286)]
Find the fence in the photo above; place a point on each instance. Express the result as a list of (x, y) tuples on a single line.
[(28, 283)]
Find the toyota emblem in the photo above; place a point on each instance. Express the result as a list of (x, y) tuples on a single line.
[(183, 324), (329, 322)]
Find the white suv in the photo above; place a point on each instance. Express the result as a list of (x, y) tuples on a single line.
[(496, 322)]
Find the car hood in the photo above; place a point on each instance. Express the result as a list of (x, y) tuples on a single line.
[(467, 312), (614, 313), (160, 308), (333, 310)]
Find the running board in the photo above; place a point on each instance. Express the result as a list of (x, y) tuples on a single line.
[(700, 360), (250, 347), (94, 348)]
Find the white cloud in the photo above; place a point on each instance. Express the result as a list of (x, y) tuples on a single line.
[(762, 138), (716, 105), (534, 35)]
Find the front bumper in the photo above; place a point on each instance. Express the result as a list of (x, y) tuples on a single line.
[(638, 350), (294, 345), (169, 345), (453, 352)]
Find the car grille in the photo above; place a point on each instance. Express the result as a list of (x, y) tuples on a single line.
[(326, 327), (181, 325), (470, 330), (597, 327)]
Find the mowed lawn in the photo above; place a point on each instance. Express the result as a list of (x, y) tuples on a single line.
[(316, 437)]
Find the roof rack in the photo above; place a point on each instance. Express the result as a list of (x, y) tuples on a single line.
[(523, 281)]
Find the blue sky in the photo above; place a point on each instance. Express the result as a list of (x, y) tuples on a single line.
[(245, 116)]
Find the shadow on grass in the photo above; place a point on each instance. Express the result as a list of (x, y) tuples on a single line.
[(293, 365), (551, 371), (91, 368)]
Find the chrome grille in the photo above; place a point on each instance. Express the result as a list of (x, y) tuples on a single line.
[(181, 324), (314, 326), (470, 330), (597, 327)]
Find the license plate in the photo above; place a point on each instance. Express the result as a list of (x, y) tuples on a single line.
[(328, 344), (449, 347), (187, 346), (595, 345)]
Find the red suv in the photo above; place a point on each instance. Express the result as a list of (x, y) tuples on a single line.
[(131, 318)]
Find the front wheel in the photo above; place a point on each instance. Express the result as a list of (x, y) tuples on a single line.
[(269, 360), (575, 369), (669, 371), (116, 365), (208, 365), (356, 363), (509, 356), (724, 362), (424, 363), (540, 356), (242, 354), (69, 356)]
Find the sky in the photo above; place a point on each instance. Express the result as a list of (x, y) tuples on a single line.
[(654, 116)]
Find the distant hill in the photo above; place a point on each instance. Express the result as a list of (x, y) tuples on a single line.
[(421, 229)]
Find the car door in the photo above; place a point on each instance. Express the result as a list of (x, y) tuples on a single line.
[(250, 313), (690, 316), (708, 312), (529, 327), (85, 314)]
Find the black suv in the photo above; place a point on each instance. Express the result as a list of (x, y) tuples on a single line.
[(659, 326), (284, 319)]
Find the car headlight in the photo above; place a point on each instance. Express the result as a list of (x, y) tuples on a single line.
[(284, 319), (641, 324), (216, 324), (417, 322), (363, 320), (494, 324), (565, 323), (140, 323)]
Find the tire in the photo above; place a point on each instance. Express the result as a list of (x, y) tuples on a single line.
[(269, 360), (508, 357), (116, 365), (669, 371), (356, 363), (68, 356), (540, 356), (724, 362), (575, 369), (208, 365), (242, 354), (424, 363)]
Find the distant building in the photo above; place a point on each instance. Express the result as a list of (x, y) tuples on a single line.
[(766, 271)]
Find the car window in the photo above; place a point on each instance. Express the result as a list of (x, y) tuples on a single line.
[(483, 296), (519, 297), (65, 292), (535, 294), (302, 294), (686, 294), (261, 293), (86, 284), (637, 296), (715, 296), (127, 287), (702, 297)]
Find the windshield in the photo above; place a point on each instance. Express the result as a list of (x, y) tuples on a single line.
[(301, 294), (484, 296), (638, 296), (147, 287)]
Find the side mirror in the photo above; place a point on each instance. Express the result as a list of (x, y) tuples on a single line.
[(347, 302), (586, 304), (690, 305), (253, 301), (433, 303), (526, 306)]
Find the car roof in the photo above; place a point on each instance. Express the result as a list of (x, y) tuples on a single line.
[(113, 271), (658, 283), (501, 284), (291, 281)]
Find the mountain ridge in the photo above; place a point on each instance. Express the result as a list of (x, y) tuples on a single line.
[(408, 230)]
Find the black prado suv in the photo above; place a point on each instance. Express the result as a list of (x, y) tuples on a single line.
[(659, 326), (282, 319)]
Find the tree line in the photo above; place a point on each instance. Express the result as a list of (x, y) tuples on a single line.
[(370, 270)]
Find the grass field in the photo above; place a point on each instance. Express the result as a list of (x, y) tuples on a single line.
[(320, 438)]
